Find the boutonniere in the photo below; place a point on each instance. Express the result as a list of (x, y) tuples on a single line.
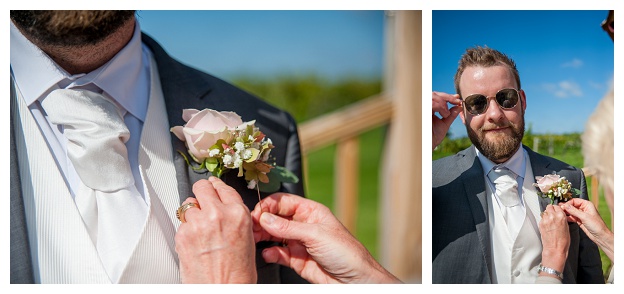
[(220, 142), (556, 188)]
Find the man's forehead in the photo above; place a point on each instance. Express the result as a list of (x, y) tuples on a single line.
[(482, 76)]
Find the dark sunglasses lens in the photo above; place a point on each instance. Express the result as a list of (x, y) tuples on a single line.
[(507, 98), (476, 104)]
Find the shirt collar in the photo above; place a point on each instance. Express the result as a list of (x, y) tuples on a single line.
[(125, 78), (516, 163)]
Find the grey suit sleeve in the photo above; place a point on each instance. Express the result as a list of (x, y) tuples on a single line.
[(293, 161), (589, 263)]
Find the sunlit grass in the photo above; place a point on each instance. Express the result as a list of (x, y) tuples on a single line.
[(320, 185)]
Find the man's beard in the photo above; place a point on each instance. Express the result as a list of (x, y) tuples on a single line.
[(73, 28), (499, 149)]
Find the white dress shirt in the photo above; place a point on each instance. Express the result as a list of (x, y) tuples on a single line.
[(125, 79)]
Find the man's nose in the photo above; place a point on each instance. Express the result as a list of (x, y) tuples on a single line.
[(494, 112)]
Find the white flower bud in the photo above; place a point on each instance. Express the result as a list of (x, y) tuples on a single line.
[(239, 146), (214, 152)]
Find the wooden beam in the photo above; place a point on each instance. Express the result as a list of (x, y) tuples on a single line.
[(346, 182), (347, 122), (401, 229)]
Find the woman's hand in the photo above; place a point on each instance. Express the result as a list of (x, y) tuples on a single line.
[(584, 213), (320, 248)]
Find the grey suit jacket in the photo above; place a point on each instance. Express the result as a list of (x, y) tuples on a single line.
[(185, 87), (461, 241)]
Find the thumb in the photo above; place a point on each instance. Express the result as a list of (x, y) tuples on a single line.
[(455, 110), (282, 228)]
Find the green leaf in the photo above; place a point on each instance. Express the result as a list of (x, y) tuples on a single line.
[(211, 163), (218, 171), (270, 187), (283, 175), (277, 176), (201, 167), (218, 145), (576, 192), (249, 130)]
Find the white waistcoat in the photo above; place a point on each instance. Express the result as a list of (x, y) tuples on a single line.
[(61, 249), (516, 261)]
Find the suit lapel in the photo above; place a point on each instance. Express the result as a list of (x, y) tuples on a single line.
[(180, 90), (474, 184), (539, 166)]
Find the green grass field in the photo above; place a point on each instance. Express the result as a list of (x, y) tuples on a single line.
[(320, 186)]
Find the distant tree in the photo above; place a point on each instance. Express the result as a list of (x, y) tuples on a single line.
[(309, 96)]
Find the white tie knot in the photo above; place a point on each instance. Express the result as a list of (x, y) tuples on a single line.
[(96, 134), (506, 186)]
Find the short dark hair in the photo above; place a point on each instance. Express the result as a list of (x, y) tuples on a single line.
[(485, 57)]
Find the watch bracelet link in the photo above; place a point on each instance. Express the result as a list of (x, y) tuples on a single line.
[(548, 270)]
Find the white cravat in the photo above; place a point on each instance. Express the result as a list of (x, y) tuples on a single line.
[(106, 198), (507, 192)]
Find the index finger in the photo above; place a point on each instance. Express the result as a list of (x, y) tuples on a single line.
[(283, 204), (450, 98), (205, 193), (226, 193)]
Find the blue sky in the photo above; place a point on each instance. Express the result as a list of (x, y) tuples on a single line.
[(565, 60), (268, 43)]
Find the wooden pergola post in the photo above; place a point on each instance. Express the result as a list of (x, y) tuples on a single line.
[(401, 201)]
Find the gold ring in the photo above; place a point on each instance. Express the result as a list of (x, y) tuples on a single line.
[(182, 209)]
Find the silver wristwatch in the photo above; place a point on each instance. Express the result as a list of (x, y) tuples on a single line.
[(548, 270)]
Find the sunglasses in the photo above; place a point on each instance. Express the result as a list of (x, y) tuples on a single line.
[(478, 103)]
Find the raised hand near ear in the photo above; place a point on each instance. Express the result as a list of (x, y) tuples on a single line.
[(447, 115)]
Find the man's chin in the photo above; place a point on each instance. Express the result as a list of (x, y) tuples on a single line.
[(495, 137)]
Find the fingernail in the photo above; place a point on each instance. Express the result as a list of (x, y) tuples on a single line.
[(268, 218)]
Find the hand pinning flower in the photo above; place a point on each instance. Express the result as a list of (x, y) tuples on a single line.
[(221, 141), (556, 188)]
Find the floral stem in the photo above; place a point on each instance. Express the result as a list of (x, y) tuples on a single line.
[(258, 189)]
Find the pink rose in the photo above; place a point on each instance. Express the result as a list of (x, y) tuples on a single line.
[(204, 128), (546, 182)]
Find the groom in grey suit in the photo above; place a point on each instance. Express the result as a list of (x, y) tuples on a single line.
[(181, 87), (471, 242)]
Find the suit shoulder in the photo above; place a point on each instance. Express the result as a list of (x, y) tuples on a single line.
[(193, 88), (451, 159), (554, 163), (448, 168)]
